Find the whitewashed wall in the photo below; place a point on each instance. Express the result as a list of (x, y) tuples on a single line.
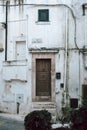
[(58, 33)]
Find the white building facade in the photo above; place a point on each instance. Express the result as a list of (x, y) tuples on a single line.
[(43, 55)]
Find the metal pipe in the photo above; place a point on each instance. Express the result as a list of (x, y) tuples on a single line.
[(6, 31), (18, 104), (66, 57)]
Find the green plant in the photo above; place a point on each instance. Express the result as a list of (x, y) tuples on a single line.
[(79, 118), (61, 119), (65, 115), (38, 120)]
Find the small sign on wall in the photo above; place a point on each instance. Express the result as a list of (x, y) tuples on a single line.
[(62, 85), (36, 40)]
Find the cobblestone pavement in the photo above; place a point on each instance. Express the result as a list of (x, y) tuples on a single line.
[(11, 124)]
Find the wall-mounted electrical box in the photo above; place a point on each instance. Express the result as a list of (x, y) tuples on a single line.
[(58, 75), (84, 7), (62, 85)]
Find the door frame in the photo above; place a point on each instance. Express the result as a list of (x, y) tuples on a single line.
[(43, 56)]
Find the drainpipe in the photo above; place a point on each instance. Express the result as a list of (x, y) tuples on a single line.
[(79, 80), (27, 41), (6, 31), (66, 59), (18, 105)]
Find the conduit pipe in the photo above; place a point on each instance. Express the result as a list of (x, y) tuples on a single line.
[(6, 31), (66, 53)]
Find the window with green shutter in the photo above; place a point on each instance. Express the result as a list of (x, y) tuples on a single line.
[(43, 15)]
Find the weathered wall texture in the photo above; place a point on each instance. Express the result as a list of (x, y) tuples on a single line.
[(63, 37)]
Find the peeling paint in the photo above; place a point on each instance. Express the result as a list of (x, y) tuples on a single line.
[(7, 88)]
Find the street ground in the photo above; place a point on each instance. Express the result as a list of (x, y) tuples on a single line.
[(11, 124), (16, 122)]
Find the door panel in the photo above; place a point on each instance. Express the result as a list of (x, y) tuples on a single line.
[(43, 77), (84, 92)]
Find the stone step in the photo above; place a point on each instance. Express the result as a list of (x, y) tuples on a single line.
[(50, 106)]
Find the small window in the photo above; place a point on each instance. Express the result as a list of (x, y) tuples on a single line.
[(43, 15), (73, 102)]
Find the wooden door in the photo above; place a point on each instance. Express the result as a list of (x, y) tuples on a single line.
[(84, 93), (43, 77)]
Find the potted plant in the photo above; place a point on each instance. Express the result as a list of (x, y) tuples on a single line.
[(38, 120)]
